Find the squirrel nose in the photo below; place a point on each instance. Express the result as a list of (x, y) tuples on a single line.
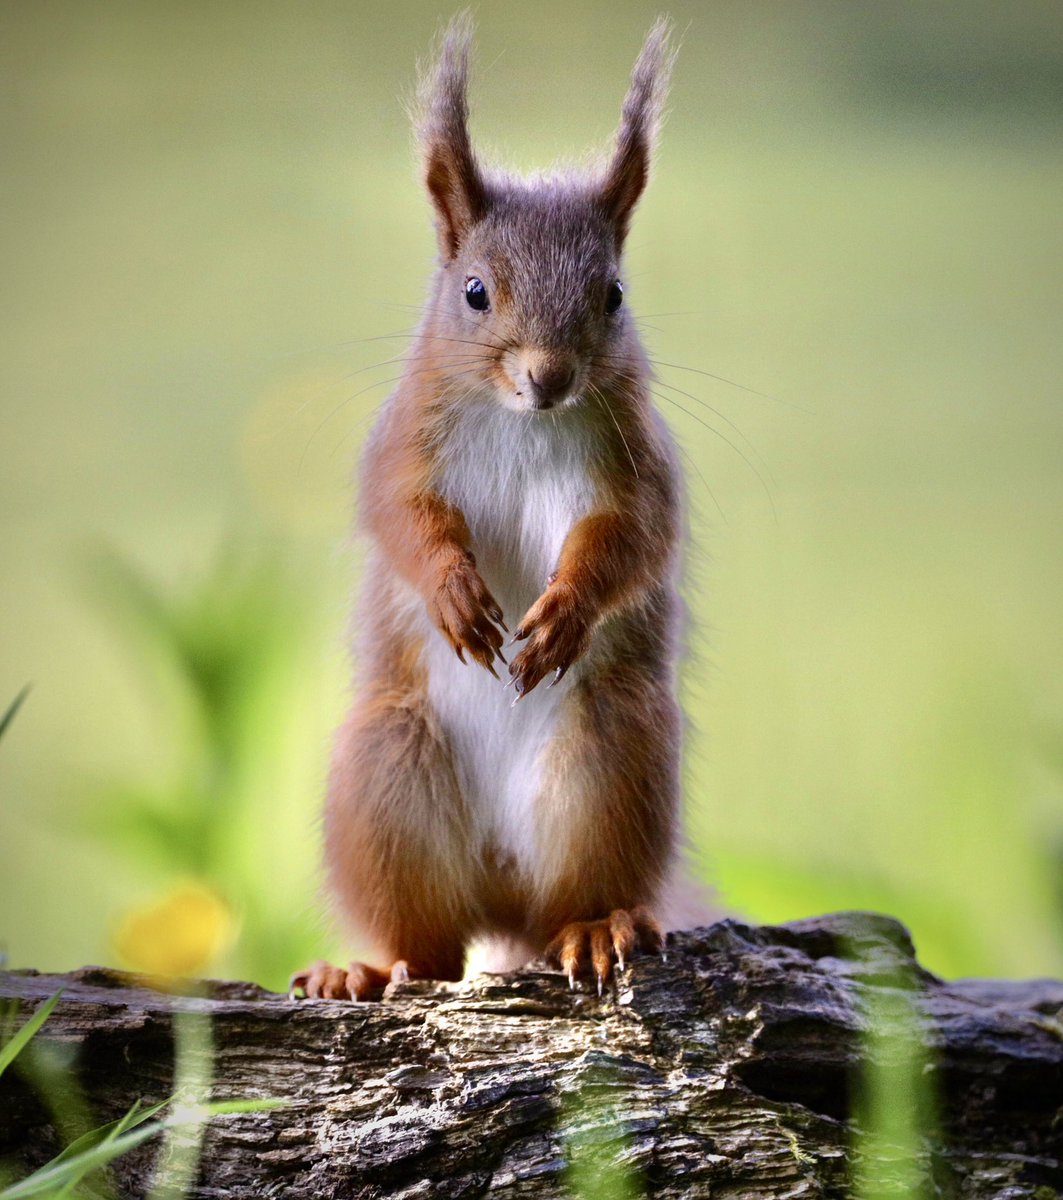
[(549, 383)]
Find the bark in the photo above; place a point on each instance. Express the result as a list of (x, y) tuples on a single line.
[(727, 1069)]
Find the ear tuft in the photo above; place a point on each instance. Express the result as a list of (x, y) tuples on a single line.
[(640, 121), (451, 174)]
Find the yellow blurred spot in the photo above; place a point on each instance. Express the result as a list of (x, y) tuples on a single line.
[(180, 934)]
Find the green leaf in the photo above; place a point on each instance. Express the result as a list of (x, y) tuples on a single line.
[(16, 704), (12, 1048)]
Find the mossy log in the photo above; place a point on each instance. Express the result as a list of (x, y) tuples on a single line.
[(726, 1069)]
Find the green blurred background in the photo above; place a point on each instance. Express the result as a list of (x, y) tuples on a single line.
[(857, 211)]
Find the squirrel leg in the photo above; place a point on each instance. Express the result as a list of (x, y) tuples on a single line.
[(608, 815), (396, 850)]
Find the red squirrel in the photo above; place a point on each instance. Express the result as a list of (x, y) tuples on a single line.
[(519, 474)]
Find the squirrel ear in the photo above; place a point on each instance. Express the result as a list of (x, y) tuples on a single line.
[(450, 172), (629, 170)]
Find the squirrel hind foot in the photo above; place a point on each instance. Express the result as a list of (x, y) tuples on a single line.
[(581, 945), (358, 981)]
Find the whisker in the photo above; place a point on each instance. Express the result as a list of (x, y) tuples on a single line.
[(435, 337), (378, 383), (434, 356), (725, 418), (452, 359), (604, 403), (342, 404), (656, 362), (693, 462), (340, 345), (399, 335), (429, 308), (731, 383), (450, 389), (723, 437), (716, 412), (689, 312), (705, 483), (439, 337)]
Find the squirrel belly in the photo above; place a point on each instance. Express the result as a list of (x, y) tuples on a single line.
[(522, 484)]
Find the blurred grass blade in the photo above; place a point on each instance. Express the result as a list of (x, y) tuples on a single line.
[(222, 1108), (60, 1172), (12, 1048), (895, 1105), (596, 1136), (104, 1135), (16, 704), (55, 1175)]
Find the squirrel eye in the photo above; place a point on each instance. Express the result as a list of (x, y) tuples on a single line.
[(476, 293), (614, 297)]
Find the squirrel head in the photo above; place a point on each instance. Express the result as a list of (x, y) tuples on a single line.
[(530, 269)]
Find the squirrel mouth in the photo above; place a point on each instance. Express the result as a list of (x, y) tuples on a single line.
[(524, 399), (528, 402)]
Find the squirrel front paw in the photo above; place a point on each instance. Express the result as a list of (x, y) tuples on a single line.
[(467, 614), (557, 633)]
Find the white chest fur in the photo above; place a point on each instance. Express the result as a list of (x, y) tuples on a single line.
[(522, 482)]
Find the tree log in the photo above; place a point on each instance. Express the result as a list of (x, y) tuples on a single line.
[(725, 1069)]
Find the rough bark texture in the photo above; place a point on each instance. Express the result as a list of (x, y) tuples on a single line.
[(724, 1070)]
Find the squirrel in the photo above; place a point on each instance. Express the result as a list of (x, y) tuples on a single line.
[(520, 473)]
